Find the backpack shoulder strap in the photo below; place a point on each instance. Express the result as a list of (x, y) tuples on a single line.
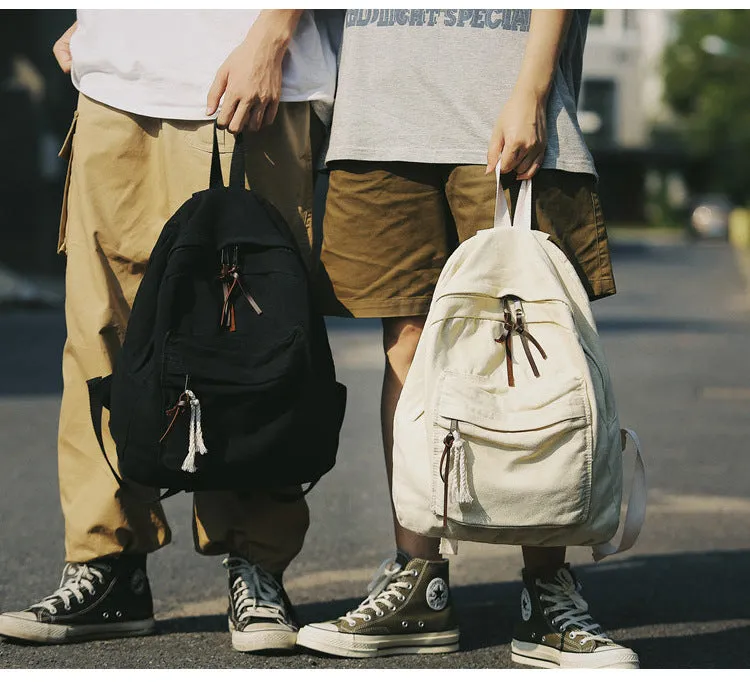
[(636, 513), (99, 393)]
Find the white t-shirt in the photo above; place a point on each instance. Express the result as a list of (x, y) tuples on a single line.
[(161, 63)]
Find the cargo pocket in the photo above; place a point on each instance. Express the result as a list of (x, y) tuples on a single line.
[(66, 152), (200, 135)]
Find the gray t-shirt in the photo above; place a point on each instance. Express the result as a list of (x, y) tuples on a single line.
[(427, 86)]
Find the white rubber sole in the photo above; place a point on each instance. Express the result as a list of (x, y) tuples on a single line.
[(26, 630), (540, 656), (370, 646), (264, 637)]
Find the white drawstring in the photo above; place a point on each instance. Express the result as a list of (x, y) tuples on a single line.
[(195, 434)]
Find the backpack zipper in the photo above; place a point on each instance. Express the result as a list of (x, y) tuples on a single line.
[(230, 278), (514, 320)]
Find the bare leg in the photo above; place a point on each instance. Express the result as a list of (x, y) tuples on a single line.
[(400, 338)]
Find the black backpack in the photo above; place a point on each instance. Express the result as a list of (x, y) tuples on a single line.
[(225, 380)]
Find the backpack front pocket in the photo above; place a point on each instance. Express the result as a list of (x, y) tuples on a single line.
[(227, 396), (511, 458)]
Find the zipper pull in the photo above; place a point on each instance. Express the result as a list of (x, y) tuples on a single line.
[(246, 294)]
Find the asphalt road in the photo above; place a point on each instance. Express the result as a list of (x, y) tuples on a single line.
[(677, 341)]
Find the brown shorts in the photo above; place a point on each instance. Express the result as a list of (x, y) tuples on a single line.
[(390, 226)]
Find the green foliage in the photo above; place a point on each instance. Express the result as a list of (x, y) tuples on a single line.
[(710, 93), (596, 18)]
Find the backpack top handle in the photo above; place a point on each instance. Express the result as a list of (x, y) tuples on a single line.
[(522, 217), (236, 170)]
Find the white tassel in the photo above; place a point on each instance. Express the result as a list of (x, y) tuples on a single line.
[(460, 488), (453, 476), (195, 417), (195, 442)]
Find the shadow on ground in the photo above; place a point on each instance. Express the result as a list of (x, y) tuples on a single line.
[(685, 609)]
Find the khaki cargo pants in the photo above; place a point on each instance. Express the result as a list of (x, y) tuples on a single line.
[(127, 175)]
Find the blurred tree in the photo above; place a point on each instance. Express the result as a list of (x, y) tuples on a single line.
[(707, 85)]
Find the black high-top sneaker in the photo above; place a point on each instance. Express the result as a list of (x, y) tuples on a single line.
[(408, 611), (100, 599), (556, 629), (261, 616)]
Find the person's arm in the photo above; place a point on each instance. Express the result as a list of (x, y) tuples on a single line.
[(61, 49), (519, 138), (250, 78)]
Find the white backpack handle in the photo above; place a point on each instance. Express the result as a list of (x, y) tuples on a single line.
[(523, 205), (636, 513)]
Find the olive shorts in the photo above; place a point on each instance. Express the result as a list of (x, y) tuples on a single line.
[(389, 227)]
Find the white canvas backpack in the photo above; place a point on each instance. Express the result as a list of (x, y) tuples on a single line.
[(506, 429)]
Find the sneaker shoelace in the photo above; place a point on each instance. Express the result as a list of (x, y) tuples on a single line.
[(384, 588), (255, 593), (571, 608), (75, 579)]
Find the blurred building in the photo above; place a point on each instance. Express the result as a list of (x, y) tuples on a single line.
[(622, 85), (622, 105)]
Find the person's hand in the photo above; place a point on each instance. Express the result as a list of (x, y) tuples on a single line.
[(250, 78), (61, 49), (519, 138)]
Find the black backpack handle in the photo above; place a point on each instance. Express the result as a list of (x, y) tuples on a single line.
[(237, 168)]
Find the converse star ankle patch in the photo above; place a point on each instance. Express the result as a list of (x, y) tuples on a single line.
[(437, 594)]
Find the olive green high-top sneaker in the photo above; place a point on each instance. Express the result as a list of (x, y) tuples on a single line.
[(557, 630), (408, 611)]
